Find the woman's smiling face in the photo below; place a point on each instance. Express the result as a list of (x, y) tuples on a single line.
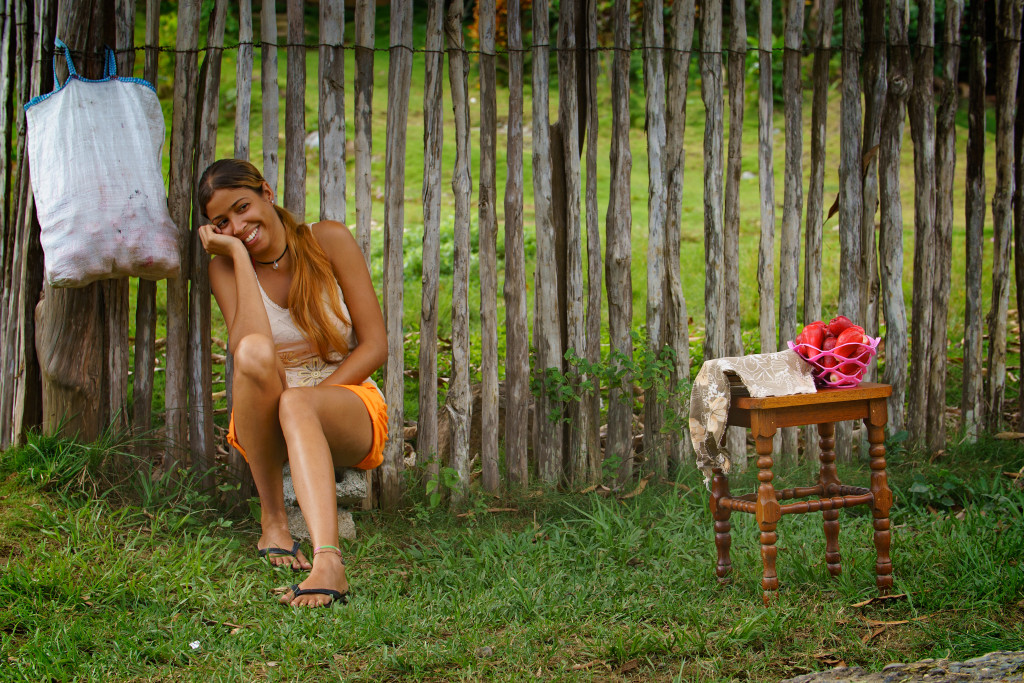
[(248, 215)]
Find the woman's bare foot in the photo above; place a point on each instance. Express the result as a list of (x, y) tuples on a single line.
[(328, 572), (277, 536)]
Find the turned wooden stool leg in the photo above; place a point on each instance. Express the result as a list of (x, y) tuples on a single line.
[(767, 511), (719, 490), (828, 477), (882, 495)]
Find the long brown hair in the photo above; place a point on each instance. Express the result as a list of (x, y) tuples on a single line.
[(312, 276)]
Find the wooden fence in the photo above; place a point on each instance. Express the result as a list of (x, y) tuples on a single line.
[(65, 352)]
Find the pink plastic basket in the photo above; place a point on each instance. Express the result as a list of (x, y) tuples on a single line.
[(833, 377)]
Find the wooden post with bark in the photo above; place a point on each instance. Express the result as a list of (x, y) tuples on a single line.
[(890, 237), (618, 223), (1007, 63), (295, 115), (399, 82), (792, 207), (332, 110), (268, 84), (488, 250), (517, 350), (200, 375), (433, 135), (945, 166), (677, 330), (736, 436), (972, 402), (243, 79), (547, 337), (458, 403), (363, 113), (711, 93), (591, 402), (875, 86)]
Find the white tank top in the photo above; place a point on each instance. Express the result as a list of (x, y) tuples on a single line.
[(303, 367)]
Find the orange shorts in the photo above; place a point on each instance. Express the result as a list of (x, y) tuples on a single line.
[(375, 406)]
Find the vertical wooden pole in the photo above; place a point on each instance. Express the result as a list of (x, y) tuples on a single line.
[(922, 131), (200, 371), (568, 119), (945, 165), (547, 338), (433, 136), (851, 199), (792, 207), (766, 184), (458, 403), (517, 349), (1018, 222), (364, 22), (736, 436), (268, 84), (711, 92), (592, 397), (972, 401), (399, 81), (182, 184), (145, 307), (890, 237), (488, 249), (243, 83), (332, 110), (295, 115), (677, 326), (618, 224), (1007, 64), (7, 23), (874, 101)]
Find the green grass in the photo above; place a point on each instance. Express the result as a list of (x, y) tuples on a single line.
[(571, 586)]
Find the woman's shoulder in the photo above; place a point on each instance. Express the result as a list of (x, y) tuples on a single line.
[(333, 236)]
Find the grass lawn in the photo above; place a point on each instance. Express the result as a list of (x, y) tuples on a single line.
[(147, 582)]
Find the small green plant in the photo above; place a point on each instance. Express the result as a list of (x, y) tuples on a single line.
[(449, 477)]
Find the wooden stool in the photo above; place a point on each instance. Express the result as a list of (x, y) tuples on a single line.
[(766, 415)]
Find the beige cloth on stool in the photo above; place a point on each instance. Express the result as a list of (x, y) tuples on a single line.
[(766, 374)]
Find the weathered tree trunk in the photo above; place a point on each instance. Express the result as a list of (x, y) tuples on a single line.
[(433, 135), (517, 353), (243, 82), (972, 402), (363, 114), (268, 84), (1007, 64), (677, 330), (945, 165), (8, 320), (295, 115), (737, 436), (568, 120), (789, 256), (547, 337), (851, 205), (145, 307), (488, 250), (399, 82), (592, 397), (458, 402), (816, 195), (332, 110), (890, 238), (874, 102), (922, 130), (1018, 225), (200, 375), (711, 93), (766, 187), (618, 222)]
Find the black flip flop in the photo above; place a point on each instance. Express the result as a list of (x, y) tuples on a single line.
[(336, 596), (279, 552)]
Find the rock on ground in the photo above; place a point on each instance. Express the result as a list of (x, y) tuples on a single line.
[(995, 666), (351, 489)]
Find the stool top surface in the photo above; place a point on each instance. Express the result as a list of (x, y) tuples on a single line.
[(862, 392)]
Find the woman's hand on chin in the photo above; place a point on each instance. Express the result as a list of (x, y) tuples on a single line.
[(218, 244)]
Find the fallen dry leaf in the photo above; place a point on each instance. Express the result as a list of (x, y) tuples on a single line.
[(488, 510), (639, 488), (829, 659), (1012, 475), (280, 590), (629, 666), (867, 637), (1009, 436), (581, 667), (880, 598), (589, 489), (682, 487)]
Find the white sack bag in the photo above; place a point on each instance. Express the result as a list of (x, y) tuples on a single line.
[(94, 158)]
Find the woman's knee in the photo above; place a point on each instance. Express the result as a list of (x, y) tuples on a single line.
[(295, 405), (255, 358)]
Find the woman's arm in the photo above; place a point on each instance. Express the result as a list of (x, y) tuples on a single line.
[(364, 309), (234, 286)]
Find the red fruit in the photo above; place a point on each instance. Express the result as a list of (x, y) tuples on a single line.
[(828, 361), (814, 333), (850, 342), (838, 324)]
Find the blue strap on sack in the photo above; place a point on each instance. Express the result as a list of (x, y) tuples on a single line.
[(109, 71)]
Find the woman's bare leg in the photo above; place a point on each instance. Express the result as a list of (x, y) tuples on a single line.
[(257, 387), (324, 427)]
